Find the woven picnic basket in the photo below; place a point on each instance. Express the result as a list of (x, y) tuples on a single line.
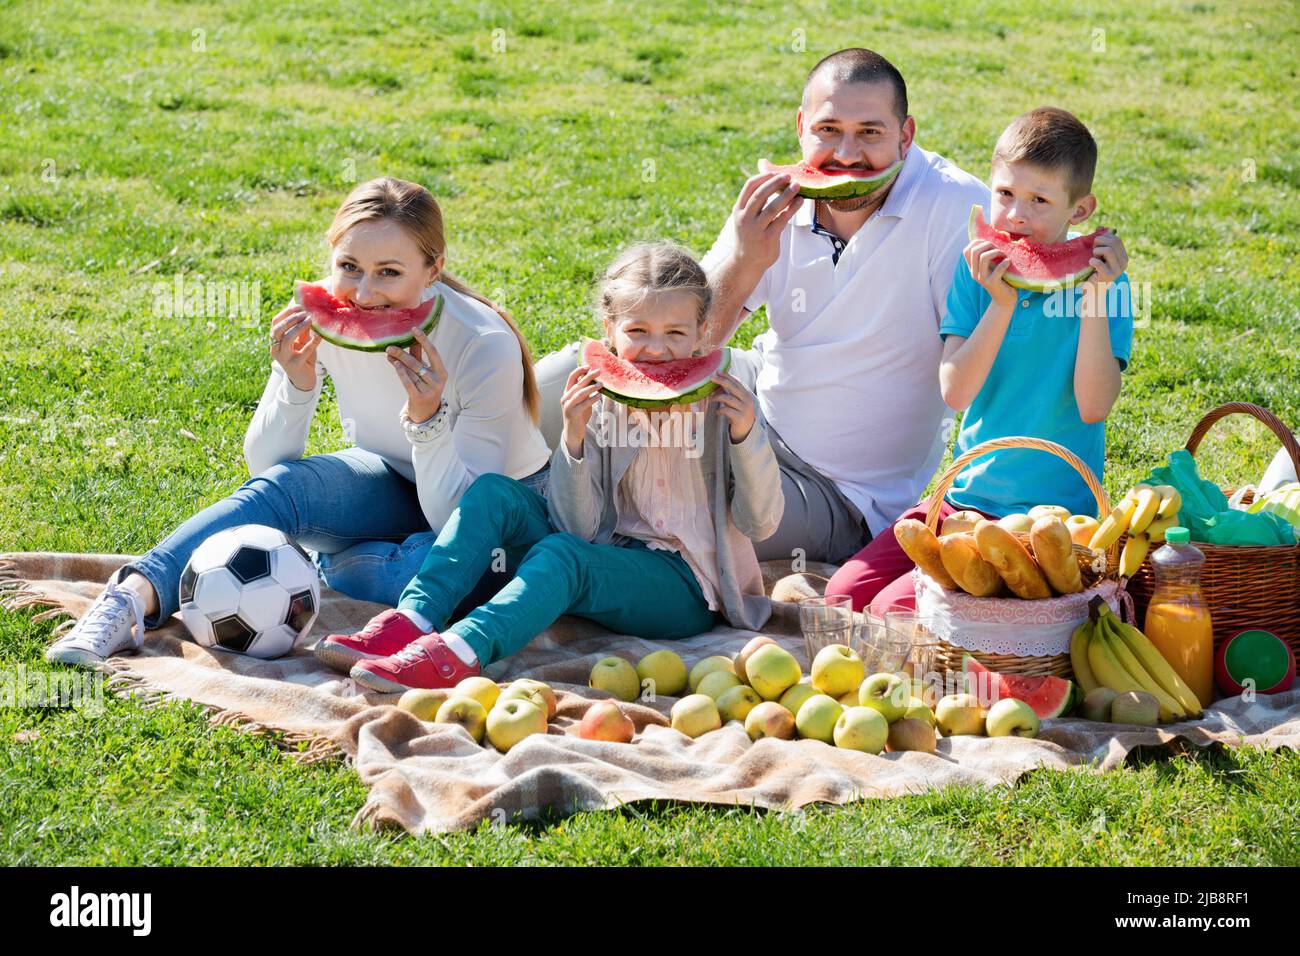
[(1245, 586), (968, 622)]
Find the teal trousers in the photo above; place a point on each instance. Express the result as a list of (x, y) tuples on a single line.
[(631, 589)]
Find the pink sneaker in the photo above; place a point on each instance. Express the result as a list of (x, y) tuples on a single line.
[(426, 663), (385, 635)]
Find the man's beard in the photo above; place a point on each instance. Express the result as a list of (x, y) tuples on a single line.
[(852, 205)]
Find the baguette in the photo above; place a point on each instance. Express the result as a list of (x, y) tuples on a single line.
[(921, 545), (1000, 548), (961, 556), (1054, 551)]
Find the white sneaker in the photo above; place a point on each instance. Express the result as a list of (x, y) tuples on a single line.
[(107, 628)]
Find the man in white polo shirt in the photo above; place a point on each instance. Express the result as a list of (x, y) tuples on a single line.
[(847, 374)]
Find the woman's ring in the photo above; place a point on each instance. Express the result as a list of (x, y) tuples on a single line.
[(424, 370)]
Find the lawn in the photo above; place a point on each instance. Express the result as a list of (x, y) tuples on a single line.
[(213, 141)]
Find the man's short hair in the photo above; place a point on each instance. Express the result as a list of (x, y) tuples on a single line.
[(857, 65), (1052, 139)]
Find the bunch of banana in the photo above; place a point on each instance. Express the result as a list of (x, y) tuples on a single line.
[(1106, 652), (1146, 513)]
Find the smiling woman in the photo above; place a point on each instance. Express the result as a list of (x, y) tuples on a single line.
[(420, 435)]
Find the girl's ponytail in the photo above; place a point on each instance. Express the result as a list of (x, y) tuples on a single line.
[(413, 207)]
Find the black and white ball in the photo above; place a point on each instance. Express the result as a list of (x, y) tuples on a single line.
[(251, 590)]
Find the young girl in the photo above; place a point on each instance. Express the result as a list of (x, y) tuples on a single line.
[(424, 423), (648, 530)]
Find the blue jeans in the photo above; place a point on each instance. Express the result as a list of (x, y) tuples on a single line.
[(629, 588), (330, 504)]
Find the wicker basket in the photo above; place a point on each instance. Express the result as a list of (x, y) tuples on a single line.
[(1245, 586), (948, 657)]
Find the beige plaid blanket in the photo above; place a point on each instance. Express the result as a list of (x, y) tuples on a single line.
[(425, 777)]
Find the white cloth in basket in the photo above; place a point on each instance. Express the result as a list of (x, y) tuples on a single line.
[(1009, 626)]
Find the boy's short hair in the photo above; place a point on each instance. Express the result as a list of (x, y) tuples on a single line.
[(1055, 139), (859, 65)]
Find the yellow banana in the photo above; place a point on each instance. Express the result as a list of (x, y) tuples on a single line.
[(1171, 501), (1155, 531), (1106, 667), (1170, 709), (1146, 652), (1083, 675), (1148, 503), (1116, 524), (1130, 559)]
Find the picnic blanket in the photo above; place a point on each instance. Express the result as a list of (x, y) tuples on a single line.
[(432, 778)]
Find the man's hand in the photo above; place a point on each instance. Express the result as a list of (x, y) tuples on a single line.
[(759, 223)]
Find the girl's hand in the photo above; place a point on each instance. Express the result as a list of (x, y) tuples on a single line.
[(1109, 258), (293, 345), (987, 267), (736, 404), (422, 374), (581, 393)]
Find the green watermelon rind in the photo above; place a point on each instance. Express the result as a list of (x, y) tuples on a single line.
[(852, 187), (1061, 708), (374, 345), (684, 398), (1031, 285)]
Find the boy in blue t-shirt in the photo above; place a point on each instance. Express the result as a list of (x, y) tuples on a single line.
[(1045, 365)]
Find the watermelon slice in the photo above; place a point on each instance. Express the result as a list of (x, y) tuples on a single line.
[(815, 183), (366, 330), (1049, 696), (654, 384), (1037, 266)]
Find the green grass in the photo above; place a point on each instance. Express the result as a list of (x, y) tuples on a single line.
[(131, 156)]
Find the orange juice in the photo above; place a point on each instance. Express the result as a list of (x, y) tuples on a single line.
[(1185, 638), (1178, 620)]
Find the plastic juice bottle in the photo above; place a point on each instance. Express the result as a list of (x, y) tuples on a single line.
[(1178, 620)]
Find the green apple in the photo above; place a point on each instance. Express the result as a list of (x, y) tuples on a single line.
[(544, 689), (1042, 511), (959, 714), (795, 697), (511, 721), (849, 698), (746, 652), (718, 683), (888, 693), (735, 703), (770, 719), (605, 720), (707, 666), (666, 670), (836, 670), (467, 712), (1097, 703), (521, 692), (1135, 707), (1010, 716), (1017, 523), (911, 733), (1082, 528), (423, 704), (861, 728), (696, 714), (616, 677), (817, 717), (919, 710), (481, 689), (772, 670)]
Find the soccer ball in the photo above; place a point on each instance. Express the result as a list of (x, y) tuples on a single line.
[(251, 590)]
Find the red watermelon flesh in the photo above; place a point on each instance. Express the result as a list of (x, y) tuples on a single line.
[(817, 183), (654, 384), (366, 330), (1037, 266), (1049, 696)]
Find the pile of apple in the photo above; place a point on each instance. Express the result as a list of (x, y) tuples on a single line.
[(764, 688), (479, 705)]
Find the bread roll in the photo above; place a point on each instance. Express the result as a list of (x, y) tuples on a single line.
[(960, 521), (921, 545), (1054, 552), (961, 556), (1000, 548)]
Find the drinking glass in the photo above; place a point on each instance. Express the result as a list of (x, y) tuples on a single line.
[(825, 621)]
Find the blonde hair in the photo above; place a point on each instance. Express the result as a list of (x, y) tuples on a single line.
[(413, 208), (649, 268)]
